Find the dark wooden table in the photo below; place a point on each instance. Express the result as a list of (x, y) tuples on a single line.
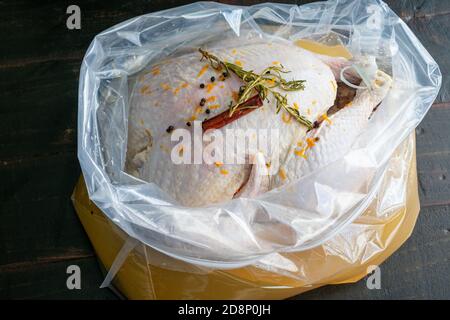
[(40, 234)]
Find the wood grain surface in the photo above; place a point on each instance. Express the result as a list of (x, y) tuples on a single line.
[(40, 234)]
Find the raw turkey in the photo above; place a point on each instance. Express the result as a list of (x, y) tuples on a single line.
[(177, 92)]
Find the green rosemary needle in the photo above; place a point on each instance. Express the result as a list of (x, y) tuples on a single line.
[(263, 84)]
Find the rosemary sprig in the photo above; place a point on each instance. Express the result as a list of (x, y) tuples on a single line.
[(262, 83)]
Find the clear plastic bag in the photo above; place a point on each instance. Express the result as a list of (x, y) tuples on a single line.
[(140, 272), (247, 231)]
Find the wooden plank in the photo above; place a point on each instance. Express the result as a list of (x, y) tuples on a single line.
[(36, 32), (38, 114), (433, 132), (412, 10), (35, 178), (39, 229), (433, 157), (36, 86), (39, 219), (48, 281), (434, 178)]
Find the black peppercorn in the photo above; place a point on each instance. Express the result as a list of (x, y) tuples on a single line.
[(208, 111), (202, 85), (213, 79), (170, 129), (225, 74), (202, 102), (188, 124)]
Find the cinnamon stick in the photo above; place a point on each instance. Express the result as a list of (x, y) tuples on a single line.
[(224, 118)]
